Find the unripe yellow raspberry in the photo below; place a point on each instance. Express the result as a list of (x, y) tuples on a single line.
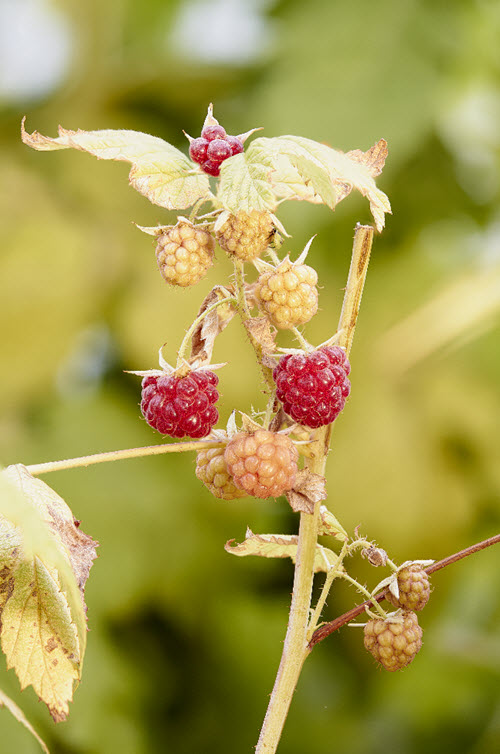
[(246, 235), (288, 294), (414, 588), (211, 469), (184, 253), (262, 463), (394, 644)]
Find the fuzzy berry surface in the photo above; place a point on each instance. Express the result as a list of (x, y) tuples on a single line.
[(414, 588), (246, 235), (288, 294), (211, 469), (313, 387), (184, 254), (262, 463), (394, 645), (181, 406)]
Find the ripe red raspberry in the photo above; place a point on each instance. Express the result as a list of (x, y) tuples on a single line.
[(245, 235), (210, 167), (213, 132), (218, 150), (235, 144), (414, 588), (288, 294), (262, 463), (198, 150), (184, 253), (181, 406), (313, 387), (211, 469), (394, 644)]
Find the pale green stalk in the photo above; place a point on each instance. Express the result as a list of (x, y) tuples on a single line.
[(295, 649)]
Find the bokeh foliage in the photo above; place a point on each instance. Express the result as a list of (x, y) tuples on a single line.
[(184, 640)]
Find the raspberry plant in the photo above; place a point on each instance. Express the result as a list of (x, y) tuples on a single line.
[(280, 451)]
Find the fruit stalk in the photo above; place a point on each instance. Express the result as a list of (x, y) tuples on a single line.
[(296, 649), (121, 455)]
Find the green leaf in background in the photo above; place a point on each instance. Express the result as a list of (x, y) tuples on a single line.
[(45, 560), (159, 171)]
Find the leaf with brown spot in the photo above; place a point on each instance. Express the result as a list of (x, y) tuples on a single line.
[(203, 340), (45, 560), (308, 490), (279, 546), (330, 526)]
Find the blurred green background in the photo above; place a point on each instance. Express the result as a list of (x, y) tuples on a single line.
[(184, 640)]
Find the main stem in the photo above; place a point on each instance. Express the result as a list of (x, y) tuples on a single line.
[(295, 648)]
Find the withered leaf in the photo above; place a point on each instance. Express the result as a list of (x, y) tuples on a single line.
[(45, 560), (203, 340), (261, 331), (279, 546), (308, 490), (159, 171)]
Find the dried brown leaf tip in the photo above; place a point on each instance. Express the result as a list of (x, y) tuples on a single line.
[(374, 158), (308, 490), (203, 340), (262, 332)]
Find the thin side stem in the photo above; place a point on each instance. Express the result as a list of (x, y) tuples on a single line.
[(121, 455), (296, 648), (328, 628)]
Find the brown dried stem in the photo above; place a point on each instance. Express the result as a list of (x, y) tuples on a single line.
[(328, 628)]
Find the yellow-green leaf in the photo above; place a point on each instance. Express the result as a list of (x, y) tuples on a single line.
[(280, 546), (44, 564), (159, 171), (305, 169), (244, 183)]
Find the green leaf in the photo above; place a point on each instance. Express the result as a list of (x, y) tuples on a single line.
[(6, 701), (159, 171), (280, 546), (244, 183), (45, 560)]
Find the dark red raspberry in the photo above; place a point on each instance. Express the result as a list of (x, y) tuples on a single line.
[(235, 144), (213, 132), (313, 387), (181, 406), (210, 167), (198, 150), (218, 150)]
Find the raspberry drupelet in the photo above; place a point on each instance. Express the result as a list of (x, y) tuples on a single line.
[(181, 406), (313, 387)]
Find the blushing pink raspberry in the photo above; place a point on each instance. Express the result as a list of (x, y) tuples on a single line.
[(262, 463), (313, 387), (181, 406)]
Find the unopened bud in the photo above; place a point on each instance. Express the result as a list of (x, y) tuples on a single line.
[(376, 556)]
